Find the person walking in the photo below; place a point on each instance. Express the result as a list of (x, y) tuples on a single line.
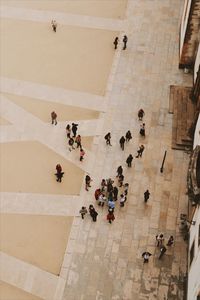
[(146, 195), (53, 118), (159, 239), (78, 141), (111, 204), (146, 256), (140, 151), (87, 182), (119, 171), (68, 130), (121, 180), (82, 153), (142, 130), (108, 139), (94, 215), (54, 25), (128, 136), (115, 193), (101, 199), (129, 160), (122, 200), (103, 185), (163, 249), (74, 129), (110, 216), (59, 174), (140, 114), (83, 211), (71, 144), (122, 141), (116, 41), (170, 241), (126, 187), (125, 40), (58, 168)]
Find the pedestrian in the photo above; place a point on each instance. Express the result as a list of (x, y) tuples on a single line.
[(58, 168), (122, 200), (83, 211), (111, 204), (146, 195), (97, 193), (129, 160), (140, 151), (110, 216), (87, 182), (74, 129), (170, 241), (107, 137), (101, 199), (109, 186), (125, 40), (159, 239), (142, 130), (122, 141), (59, 176), (116, 40), (146, 256), (103, 185), (140, 114), (121, 180), (115, 193), (126, 186), (163, 249), (78, 141), (71, 144), (68, 130), (54, 25), (94, 215), (82, 153), (119, 171), (53, 118), (128, 136)]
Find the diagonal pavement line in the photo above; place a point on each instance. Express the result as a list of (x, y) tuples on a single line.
[(62, 18), (52, 94), (39, 204), (32, 128), (13, 269)]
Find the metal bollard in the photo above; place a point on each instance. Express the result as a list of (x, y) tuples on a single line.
[(161, 169)]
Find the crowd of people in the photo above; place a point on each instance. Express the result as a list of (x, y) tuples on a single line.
[(111, 190)]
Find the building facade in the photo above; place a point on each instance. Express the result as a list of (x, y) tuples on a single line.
[(190, 61)]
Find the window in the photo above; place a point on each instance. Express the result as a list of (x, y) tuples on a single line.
[(191, 253)]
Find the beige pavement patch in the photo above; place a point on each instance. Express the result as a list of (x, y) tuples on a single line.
[(87, 142), (38, 240), (4, 121), (106, 8), (29, 167), (9, 292), (72, 58), (43, 109)]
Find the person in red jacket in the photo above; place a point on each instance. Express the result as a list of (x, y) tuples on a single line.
[(110, 216)]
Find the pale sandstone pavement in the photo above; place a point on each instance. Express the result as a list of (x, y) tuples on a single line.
[(105, 260)]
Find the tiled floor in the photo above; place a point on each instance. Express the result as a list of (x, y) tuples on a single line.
[(103, 261)]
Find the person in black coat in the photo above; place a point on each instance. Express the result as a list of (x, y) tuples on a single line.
[(122, 141), (74, 129), (129, 160)]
